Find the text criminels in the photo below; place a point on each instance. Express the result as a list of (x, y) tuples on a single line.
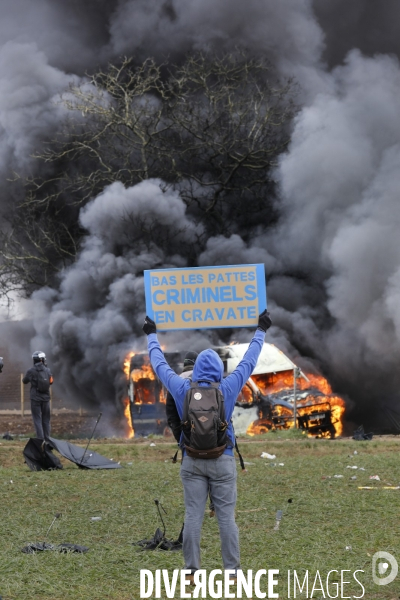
[(226, 293)]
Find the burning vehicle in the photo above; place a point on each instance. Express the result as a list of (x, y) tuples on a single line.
[(145, 407), (278, 395)]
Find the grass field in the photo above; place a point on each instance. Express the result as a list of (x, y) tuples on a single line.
[(329, 523)]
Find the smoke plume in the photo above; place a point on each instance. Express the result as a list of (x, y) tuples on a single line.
[(332, 261)]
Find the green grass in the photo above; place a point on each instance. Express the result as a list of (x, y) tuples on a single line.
[(326, 515)]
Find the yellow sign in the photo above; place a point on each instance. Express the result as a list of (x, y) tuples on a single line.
[(205, 297)]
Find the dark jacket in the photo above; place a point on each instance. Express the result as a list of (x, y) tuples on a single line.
[(173, 418), (32, 378)]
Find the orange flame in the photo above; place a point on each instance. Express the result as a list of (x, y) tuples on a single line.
[(127, 412), (273, 383), (144, 391), (127, 363), (128, 417), (145, 372), (257, 427)]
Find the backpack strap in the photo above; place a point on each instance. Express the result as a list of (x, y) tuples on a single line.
[(240, 456), (237, 449)]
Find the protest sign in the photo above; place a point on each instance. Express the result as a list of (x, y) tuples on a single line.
[(205, 297)]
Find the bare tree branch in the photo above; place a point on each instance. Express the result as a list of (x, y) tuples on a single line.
[(209, 128)]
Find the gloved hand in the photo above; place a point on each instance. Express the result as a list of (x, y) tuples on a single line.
[(149, 326), (264, 321)]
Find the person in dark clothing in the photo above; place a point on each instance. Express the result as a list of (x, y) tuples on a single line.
[(40, 378)]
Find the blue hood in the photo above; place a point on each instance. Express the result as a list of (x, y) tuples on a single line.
[(208, 366)]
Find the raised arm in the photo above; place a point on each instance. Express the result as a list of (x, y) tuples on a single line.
[(174, 384), (232, 384)]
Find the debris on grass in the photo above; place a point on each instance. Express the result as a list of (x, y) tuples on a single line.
[(278, 518), (159, 541), (266, 455), (64, 548), (376, 477), (386, 487), (81, 457), (37, 547), (39, 456)]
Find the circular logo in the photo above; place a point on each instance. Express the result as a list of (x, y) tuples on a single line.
[(197, 396), (379, 569)]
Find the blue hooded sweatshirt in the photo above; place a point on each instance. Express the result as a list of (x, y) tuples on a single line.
[(208, 367)]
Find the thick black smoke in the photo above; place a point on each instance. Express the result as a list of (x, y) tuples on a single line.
[(339, 193), (95, 317), (372, 27), (333, 261)]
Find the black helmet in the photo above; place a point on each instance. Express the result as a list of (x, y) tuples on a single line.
[(39, 356), (190, 358)]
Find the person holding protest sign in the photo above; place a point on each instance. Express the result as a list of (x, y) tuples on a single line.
[(173, 418), (213, 468)]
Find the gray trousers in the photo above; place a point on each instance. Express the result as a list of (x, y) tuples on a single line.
[(198, 476), (40, 410)]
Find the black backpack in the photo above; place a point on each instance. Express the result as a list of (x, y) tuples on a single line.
[(204, 424), (43, 383)]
